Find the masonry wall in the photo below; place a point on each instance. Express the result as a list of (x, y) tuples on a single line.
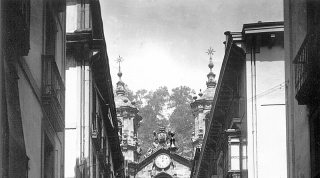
[(32, 121)]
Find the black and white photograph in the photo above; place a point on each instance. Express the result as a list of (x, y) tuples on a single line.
[(160, 89)]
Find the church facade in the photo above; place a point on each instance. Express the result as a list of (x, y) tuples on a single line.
[(162, 161)]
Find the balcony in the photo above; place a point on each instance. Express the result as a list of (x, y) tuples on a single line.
[(53, 92), (306, 69)]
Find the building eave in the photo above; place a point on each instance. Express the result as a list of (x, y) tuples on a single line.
[(105, 85), (219, 108), (263, 27), (103, 81)]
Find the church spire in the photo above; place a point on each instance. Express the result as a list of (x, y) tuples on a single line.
[(120, 85), (211, 83)]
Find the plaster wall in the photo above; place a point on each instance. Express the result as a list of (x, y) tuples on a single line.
[(301, 139), (298, 139), (32, 115), (33, 123), (36, 39), (269, 110)]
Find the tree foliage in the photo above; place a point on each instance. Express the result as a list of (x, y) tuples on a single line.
[(181, 119), (151, 107), (159, 108)]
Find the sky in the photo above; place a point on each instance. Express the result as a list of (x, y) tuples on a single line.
[(164, 42)]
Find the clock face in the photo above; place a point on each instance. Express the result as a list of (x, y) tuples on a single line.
[(162, 161)]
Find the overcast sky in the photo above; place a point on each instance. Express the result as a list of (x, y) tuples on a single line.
[(163, 42)]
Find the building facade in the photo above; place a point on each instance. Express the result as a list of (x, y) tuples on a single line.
[(33, 77), (302, 38), (249, 102), (265, 85), (91, 132)]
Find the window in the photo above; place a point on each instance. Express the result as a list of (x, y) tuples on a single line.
[(50, 31), (234, 154), (17, 14)]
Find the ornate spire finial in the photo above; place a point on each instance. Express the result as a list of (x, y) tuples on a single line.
[(210, 52), (211, 81), (119, 60), (120, 85)]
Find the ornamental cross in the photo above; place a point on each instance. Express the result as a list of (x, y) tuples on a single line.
[(210, 52), (119, 60)]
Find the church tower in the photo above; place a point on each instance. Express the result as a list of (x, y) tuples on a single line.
[(128, 123), (201, 106)]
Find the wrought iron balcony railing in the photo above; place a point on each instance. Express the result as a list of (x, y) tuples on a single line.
[(53, 92), (306, 68)]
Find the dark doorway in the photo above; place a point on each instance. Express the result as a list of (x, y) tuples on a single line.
[(163, 175), (315, 138), (48, 166)]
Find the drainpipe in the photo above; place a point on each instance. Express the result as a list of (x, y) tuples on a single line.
[(1, 96), (254, 107)]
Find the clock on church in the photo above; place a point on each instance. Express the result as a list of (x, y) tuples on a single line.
[(162, 161)]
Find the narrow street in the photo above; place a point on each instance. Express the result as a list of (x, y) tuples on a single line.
[(159, 89)]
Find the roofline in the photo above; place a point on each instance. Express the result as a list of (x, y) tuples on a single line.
[(263, 27), (262, 24)]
